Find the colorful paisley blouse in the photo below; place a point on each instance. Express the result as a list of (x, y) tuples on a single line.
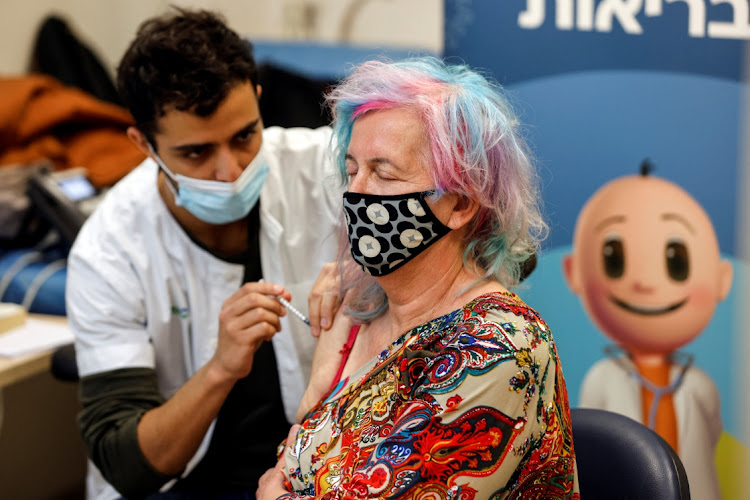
[(471, 405)]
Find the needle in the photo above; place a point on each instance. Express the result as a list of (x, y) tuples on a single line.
[(289, 306), (293, 309)]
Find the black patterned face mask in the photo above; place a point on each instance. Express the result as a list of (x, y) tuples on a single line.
[(386, 232)]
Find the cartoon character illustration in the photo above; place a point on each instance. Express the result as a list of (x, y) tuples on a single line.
[(647, 268)]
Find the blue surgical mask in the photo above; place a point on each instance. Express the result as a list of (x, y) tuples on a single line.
[(218, 202)]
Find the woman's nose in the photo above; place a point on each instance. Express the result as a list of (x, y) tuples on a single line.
[(357, 183)]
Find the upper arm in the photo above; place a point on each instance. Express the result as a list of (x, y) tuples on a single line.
[(495, 411), (326, 361), (106, 310)]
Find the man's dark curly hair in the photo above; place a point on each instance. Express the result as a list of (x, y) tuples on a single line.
[(186, 59)]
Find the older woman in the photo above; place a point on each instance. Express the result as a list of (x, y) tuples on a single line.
[(448, 385)]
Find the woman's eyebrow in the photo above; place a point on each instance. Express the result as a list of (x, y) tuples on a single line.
[(380, 160)]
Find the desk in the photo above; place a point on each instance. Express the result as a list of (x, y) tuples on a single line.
[(42, 455), (15, 369)]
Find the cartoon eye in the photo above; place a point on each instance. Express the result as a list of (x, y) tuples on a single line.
[(613, 254), (678, 261)]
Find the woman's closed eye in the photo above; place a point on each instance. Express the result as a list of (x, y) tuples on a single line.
[(351, 168), (384, 175)]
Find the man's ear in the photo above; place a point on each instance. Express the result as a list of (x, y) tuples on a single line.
[(139, 140), (571, 276), (463, 211), (258, 91)]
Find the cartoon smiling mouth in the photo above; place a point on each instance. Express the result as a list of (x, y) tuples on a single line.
[(647, 310)]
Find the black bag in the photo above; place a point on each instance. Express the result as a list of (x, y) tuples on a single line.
[(58, 53), (290, 99)]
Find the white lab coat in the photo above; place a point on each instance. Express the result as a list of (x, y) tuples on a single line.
[(608, 386), (140, 293)]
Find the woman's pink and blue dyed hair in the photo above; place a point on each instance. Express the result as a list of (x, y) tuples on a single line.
[(476, 150)]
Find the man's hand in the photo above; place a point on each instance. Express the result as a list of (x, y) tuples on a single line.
[(248, 318), (324, 299), (170, 434)]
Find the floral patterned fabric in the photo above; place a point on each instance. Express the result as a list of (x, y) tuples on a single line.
[(471, 405)]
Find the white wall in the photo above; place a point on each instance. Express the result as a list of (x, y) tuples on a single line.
[(107, 26)]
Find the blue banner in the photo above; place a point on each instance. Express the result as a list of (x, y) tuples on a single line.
[(602, 85)]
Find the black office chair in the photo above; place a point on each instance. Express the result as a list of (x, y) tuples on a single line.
[(63, 365), (619, 458)]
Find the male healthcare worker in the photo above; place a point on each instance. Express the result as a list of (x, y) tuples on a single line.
[(180, 387)]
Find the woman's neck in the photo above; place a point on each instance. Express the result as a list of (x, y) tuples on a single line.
[(429, 287)]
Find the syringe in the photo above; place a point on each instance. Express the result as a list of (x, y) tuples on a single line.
[(293, 309), (289, 306)]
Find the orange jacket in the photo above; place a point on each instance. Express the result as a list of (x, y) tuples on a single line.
[(40, 118)]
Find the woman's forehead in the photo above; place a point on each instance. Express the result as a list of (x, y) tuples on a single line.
[(397, 131)]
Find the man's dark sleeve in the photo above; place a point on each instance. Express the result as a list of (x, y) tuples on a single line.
[(113, 403)]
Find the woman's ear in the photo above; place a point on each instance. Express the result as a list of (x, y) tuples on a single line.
[(464, 209)]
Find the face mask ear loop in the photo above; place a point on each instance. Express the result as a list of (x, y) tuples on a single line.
[(172, 183), (433, 194)]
